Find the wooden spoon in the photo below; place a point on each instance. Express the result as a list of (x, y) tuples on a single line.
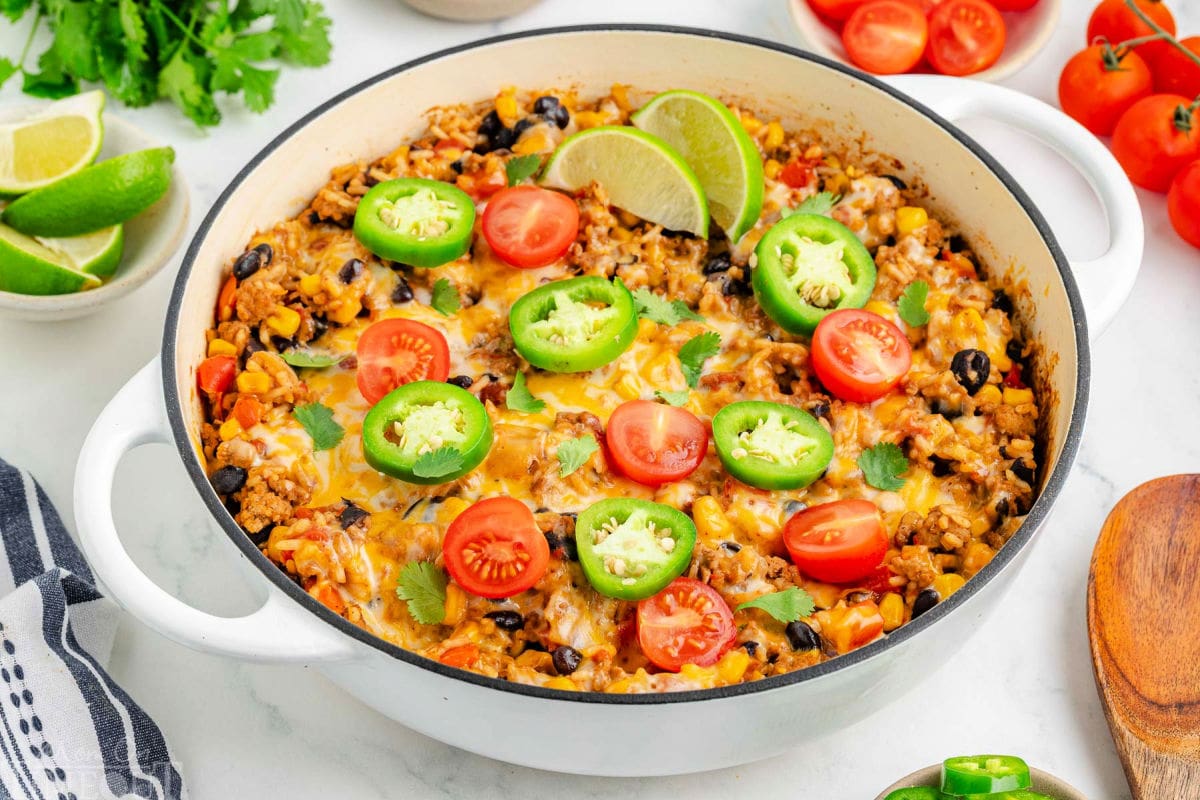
[(1144, 626)]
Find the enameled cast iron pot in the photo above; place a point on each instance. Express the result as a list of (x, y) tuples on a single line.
[(602, 733)]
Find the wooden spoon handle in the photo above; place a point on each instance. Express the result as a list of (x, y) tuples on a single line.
[(1153, 775)]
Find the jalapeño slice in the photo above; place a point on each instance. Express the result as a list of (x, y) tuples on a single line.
[(967, 775), (575, 325), (631, 549), (770, 445), (415, 221)]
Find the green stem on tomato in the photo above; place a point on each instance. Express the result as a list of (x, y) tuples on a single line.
[(1165, 34)]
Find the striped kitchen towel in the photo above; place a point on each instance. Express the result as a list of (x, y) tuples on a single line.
[(67, 731)]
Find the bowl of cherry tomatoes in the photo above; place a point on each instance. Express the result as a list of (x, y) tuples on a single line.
[(984, 39)]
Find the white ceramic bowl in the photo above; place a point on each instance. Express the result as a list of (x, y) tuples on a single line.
[(1027, 33), (151, 238), (471, 10), (1043, 782)]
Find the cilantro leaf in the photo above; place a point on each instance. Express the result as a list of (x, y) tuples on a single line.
[(522, 167), (882, 466), (308, 359), (912, 304), (317, 420), (789, 605), (695, 352), (674, 398), (438, 463), (445, 297), (423, 585), (180, 81), (520, 399), (574, 453), (304, 30), (7, 70), (658, 309), (819, 203)]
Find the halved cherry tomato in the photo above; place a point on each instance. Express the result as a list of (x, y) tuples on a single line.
[(859, 356), (837, 542), (886, 36), (686, 623), (1099, 84), (1174, 72), (1183, 203), (654, 443), (1013, 5), (495, 549), (850, 627), (528, 226), (837, 10), (1158, 136), (216, 374), (393, 352), (1115, 21), (965, 36)]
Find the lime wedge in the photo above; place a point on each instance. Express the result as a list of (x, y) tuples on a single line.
[(100, 196), (641, 173), (96, 253), (52, 144), (717, 148), (29, 266)]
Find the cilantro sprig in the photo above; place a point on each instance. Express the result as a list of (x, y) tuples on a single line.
[(658, 309), (423, 585), (789, 605), (318, 422), (574, 453), (679, 398), (883, 465), (519, 398), (445, 299), (695, 352), (306, 359), (522, 167), (438, 463), (912, 304), (819, 203)]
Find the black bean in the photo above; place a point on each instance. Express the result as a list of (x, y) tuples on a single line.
[(553, 540), (247, 264), (552, 111), (457, 166), (352, 515), (498, 136), (265, 253), (941, 466), (350, 271), (957, 244), (507, 620), (1001, 301), (490, 125), (1014, 349), (717, 263), (794, 507), (927, 599), (897, 181), (1024, 470), (854, 598), (566, 659), (801, 637), (731, 547), (254, 344), (820, 409), (228, 480), (535, 646), (946, 409), (489, 376), (750, 646), (1002, 507), (737, 288), (971, 367), (521, 126), (403, 292), (320, 325), (890, 241), (462, 381), (261, 537), (282, 344), (314, 218)]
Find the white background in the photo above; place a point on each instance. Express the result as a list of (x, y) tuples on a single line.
[(1023, 684)]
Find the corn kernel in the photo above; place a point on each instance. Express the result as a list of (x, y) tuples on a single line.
[(506, 108), (253, 382), (230, 429), (750, 123), (833, 161), (535, 659), (285, 321), (711, 522), (455, 605), (732, 667), (837, 184), (772, 168), (562, 682), (589, 119), (629, 386), (887, 411), (310, 284), (698, 673), (774, 138), (620, 95), (947, 584), (1016, 397), (910, 218), (881, 308), (346, 311), (891, 608), (618, 687), (969, 325), (452, 507), (220, 347), (988, 394), (532, 144)]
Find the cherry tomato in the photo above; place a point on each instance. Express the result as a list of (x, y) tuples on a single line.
[(1183, 203), (494, 548), (965, 37), (1013, 5), (1155, 138), (686, 623), (216, 373), (837, 542), (1116, 22), (1096, 87), (886, 36), (393, 352), (1175, 73), (838, 10), (850, 627), (528, 226), (654, 443), (859, 356)]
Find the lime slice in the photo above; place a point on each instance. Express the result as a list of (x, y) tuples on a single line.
[(717, 148), (52, 144), (102, 195), (96, 253), (640, 172), (29, 266)]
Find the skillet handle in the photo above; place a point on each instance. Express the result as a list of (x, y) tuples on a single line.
[(279, 631), (1104, 282)]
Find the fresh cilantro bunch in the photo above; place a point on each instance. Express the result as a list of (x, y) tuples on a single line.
[(184, 50)]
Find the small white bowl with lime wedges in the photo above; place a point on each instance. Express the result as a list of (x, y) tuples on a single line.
[(91, 208)]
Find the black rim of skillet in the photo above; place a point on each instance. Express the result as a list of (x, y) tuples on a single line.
[(1006, 554)]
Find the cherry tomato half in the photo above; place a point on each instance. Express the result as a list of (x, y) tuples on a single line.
[(216, 373), (859, 356), (494, 548), (1096, 87), (837, 542), (686, 623), (1013, 5), (1175, 73), (653, 443), (965, 36), (1155, 138), (1183, 203), (528, 226), (838, 10), (1115, 21), (886, 36), (393, 352)]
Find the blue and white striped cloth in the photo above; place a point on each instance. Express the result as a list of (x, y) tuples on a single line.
[(67, 731)]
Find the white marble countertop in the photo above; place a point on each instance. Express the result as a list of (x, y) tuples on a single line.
[(242, 730)]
